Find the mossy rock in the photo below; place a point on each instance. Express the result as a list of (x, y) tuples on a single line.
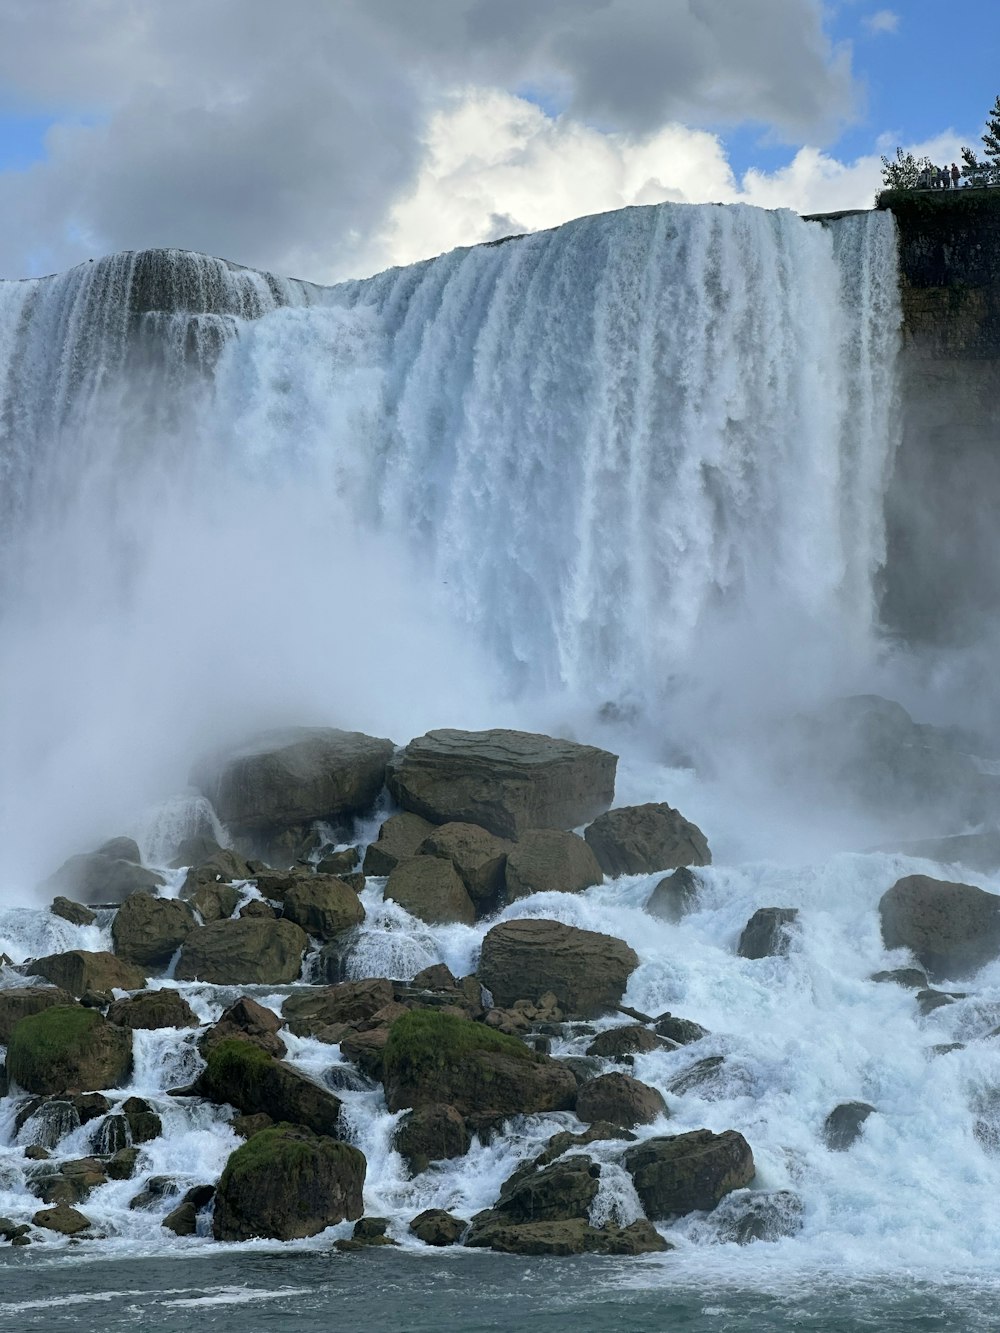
[(247, 1077), (68, 1049), (286, 1183), (438, 1058)]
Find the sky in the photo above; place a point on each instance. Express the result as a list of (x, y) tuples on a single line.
[(328, 139)]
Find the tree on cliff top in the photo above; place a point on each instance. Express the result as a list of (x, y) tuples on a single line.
[(991, 141), (904, 172)]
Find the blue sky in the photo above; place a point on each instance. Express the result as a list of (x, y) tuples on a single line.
[(330, 139)]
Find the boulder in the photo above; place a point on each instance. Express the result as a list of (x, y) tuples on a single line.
[(368, 1231), (705, 1077), (250, 950), (431, 1134), (479, 857), (674, 896), (79, 971), (309, 1011), (201, 850), (68, 1049), (212, 901), (564, 1189), (20, 1001), (746, 1216), (68, 1183), (638, 839), (324, 906), (766, 934), (619, 1099), (182, 1220), (244, 1076), (680, 1030), (344, 862), (586, 972), (281, 781), (505, 781), (550, 861), (630, 1039), (108, 875), (398, 839), (286, 1183), (433, 1058), (153, 1009), (843, 1125), (62, 1218), (75, 913), (910, 978), (367, 1050), (574, 1236), (687, 1173), (47, 1124), (952, 929), (246, 1020), (430, 889), (148, 931), (436, 1227)]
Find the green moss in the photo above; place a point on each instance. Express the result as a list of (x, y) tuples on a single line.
[(288, 1149), (236, 1065), (426, 1039), (45, 1039)]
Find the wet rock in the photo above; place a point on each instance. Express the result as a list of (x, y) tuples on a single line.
[(308, 1012), (344, 862), (431, 1134), (157, 1189), (246, 1020), (674, 896), (367, 1051), (63, 1219), (78, 971), (202, 850), (432, 1057), (746, 1216), (69, 1183), (75, 913), (631, 1039), (952, 929), (90, 1106), (212, 901), (842, 1126), (620, 1100), (148, 931), (911, 978), (49, 1123), (165, 1008), (582, 1067), (504, 781), (928, 1000), (680, 1030), (11, 1231), (182, 1220), (36, 1153), (246, 1126), (398, 839), (687, 1173), (20, 1001), (368, 1231), (110, 1136), (68, 1049), (281, 781), (122, 1164), (248, 951), (479, 857), (574, 1236), (702, 1077), (550, 861), (287, 1183), (143, 1122), (600, 1131), (108, 875), (431, 889), (249, 1079), (587, 972), (767, 934), (257, 908), (639, 839), (323, 906), (565, 1189), (436, 1227)]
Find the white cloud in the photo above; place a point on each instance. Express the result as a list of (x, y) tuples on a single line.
[(883, 20)]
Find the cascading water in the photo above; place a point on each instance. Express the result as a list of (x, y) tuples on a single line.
[(639, 460)]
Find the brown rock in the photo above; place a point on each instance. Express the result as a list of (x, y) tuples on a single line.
[(620, 1100), (431, 889), (148, 931), (431, 1134), (309, 1010), (213, 901), (75, 913), (572, 1236), (250, 950), (436, 1227), (687, 1173), (639, 839), (550, 861), (398, 839), (246, 1020), (20, 1001), (586, 972), (79, 970), (323, 906), (952, 929), (630, 1039), (69, 1049), (153, 1009), (63, 1219), (479, 857)]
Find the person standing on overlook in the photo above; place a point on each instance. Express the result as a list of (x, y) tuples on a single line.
[(955, 174)]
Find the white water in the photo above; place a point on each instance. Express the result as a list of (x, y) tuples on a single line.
[(641, 460)]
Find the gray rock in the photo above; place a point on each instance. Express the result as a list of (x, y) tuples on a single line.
[(843, 1125), (639, 839), (687, 1173), (619, 1099), (250, 950), (952, 929), (587, 972), (398, 839), (480, 858), (674, 896), (550, 861), (148, 931), (431, 889), (75, 913), (104, 876), (766, 934), (436, 1227)]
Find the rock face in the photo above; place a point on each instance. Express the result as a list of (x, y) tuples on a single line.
[(79, 971), (283, 780), (398, 838), (550, 861), (323, 906), (68, 1049), (286, 1183), (587, 972), (431, 889), (246, 1077), (688, 1172), (249, 950), (434, 1058), (619, 1099), (504, 781), (148, 931), (20, 1001), (639, 839), (108, 875), (766, 934), (952, 929), (479, 857)]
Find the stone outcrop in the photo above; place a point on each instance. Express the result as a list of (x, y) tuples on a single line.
[(505, 781), (619, 1099), (309, 1012), (688, 1172), (286, 1183), (79, 971), (250, 950), (324, 906), (550, 861), (587, 972), (68, 1049), (278, 783), (246, 1020), (640, 839), (479, 857), (431, 889), (108, 875), (148, 931), (767, 933), (952, 929)]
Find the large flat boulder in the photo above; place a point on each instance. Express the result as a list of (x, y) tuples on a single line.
[(81, 970), (68, 1049), (148, 931), (619, 1099), (952, 929), (252, 950), (311, 1009), (153, 1009), (505, 781), (286, 1183), (586, 971), (686, 1173), (640, 839), (284, 780), (573, 1236)]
